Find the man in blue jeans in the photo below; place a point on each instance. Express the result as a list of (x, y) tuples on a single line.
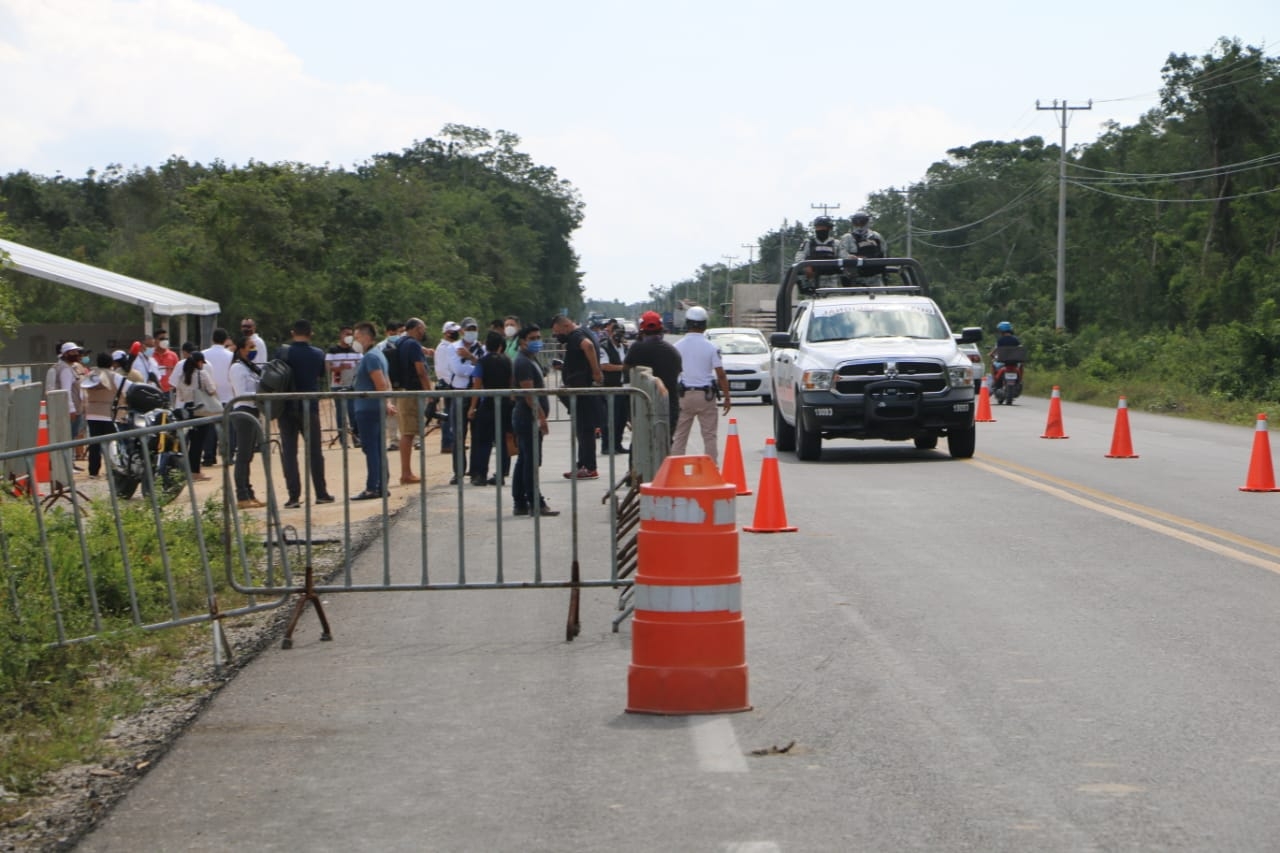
[(529, 421)]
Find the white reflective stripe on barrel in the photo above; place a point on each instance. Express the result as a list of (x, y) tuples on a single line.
[(689, 599), (685, 510)]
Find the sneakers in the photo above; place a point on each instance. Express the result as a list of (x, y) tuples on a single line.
[(250, 503), (292, 503), (324, 499), (582, 474)]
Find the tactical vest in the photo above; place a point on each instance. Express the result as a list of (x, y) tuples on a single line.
[(820, 251), (866, 245)]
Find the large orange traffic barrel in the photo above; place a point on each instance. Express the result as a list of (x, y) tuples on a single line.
[(688, 649)]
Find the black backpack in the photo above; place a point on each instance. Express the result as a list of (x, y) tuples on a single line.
[(391, 350), (277, 378)]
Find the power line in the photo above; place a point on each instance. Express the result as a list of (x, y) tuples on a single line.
[(1025, 195), (1173, 200), (1193, 174)]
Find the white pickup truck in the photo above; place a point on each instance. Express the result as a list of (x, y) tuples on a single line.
[(868, 362)]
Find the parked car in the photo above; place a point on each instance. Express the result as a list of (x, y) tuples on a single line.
[(745, 353), (979, 366)]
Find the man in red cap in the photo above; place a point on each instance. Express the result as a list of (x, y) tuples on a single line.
[(651, 351)]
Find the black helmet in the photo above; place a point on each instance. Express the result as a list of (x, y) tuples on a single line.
[(823, 222), (144, 398), (860, 218)]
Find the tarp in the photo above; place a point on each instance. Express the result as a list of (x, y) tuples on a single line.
[(160, 301)]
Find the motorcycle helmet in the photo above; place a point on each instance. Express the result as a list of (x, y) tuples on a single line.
[(823, 222), (144, 398), (860, 218), (1004, 326)]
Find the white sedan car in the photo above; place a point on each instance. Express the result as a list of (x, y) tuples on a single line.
[(745, 353)]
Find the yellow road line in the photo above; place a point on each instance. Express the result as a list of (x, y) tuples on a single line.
[(1135, 513)]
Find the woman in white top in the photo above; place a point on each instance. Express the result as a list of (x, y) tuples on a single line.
[(99, 392), (195, 375), (245, 376)]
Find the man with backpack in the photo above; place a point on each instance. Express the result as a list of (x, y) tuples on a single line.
[(409, 372), (302, 417)]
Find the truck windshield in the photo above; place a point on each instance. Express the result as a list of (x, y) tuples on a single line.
[(844, 323)]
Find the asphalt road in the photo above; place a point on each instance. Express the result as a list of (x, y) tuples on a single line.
[(1038, 649)]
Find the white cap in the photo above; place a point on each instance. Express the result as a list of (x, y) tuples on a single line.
[(67, 347), (119, 355), (696, 314), (451, 326)]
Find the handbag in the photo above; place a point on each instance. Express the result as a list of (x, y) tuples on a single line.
[(206, 404)]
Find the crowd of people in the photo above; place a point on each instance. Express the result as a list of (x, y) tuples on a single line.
[(504, 432)]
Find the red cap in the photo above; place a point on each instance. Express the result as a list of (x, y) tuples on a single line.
[(136, 348), (651, 321)]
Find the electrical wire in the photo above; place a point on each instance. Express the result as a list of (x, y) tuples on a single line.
[(1172, 200), (990, 236), (1021, 198), (1243, 165)]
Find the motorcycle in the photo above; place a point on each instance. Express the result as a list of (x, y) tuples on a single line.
[(1006, 384), (141, 460)]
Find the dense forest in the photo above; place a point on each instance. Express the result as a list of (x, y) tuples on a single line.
[(1173, 226), (465, 224)]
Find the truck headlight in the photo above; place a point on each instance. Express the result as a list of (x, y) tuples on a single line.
[(960, 377), (816, 380)]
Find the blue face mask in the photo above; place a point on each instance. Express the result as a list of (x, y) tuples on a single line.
[(149, 351), (535, 346), (250, 354)]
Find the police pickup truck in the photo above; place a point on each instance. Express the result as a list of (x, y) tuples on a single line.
[(871, 358)]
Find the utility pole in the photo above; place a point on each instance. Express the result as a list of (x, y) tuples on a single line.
[(782, 252), (1060, 316), (728, 275), (751, 270), (825, 208), (907, 193)]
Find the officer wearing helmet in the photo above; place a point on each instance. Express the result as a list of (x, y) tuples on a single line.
[(862, 242), (821, 246)]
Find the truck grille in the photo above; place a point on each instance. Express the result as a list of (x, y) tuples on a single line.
[(854, 377)]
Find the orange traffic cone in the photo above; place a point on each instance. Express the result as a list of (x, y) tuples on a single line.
[(42, 459), (1262, 475), (732, 470), (771, 514), (1053, 427), (688, 649), (984, 404), (1121, 445)]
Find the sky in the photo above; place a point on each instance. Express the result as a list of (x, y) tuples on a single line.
[(689, 128)]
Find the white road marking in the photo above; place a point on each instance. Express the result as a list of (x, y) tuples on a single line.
[(752, 847), (717, 745)]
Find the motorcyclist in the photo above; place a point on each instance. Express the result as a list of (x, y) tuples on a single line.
[(862, 242), (1004, 338), (820, 247)]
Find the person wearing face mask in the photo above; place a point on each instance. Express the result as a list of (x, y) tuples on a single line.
[(821, 246), (342, 360), (510, 332), (302, 419), (394, 331), (145, 362), (245, 378), (581, 370), (529, 422), (249, 329), (217, 359), (165, 360), (862, 242), (461, 359), (66, 376), (612, 347)]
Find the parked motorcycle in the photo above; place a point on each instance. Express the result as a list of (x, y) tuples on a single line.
[(1006, 384), (140, 460)]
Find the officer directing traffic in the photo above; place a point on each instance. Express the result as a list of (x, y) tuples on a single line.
[(701, 374)]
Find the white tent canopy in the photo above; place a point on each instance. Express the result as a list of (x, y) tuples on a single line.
[(152, 298)]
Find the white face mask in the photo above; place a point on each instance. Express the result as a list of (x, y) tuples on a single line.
[(510, 331), (356, 346), (162, 344), (348, 340), (470, 337)]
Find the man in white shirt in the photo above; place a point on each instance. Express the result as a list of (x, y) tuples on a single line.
[(218, 359), (701, 373)]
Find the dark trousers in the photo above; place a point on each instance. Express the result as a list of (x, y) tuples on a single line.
[(483, 438), (97, 428), (290, 425), (196, 439), (611, 439), (458, 436), (524, 481), (369, 427), (248, 438), (586, 420)]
